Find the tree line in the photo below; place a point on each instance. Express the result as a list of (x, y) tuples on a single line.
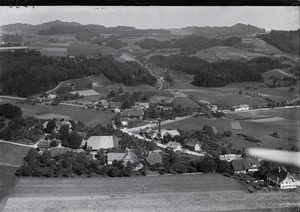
[(286, 41), (218, 74), (189, 45), (25, 73)]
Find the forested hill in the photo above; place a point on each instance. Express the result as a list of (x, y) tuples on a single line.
[(237, 29), (218, 74), (28, 73), (286, 41)]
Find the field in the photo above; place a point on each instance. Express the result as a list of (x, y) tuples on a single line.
[(87, 116), (185, 102), (208, 192), (252, 123), (90, 50), (89, 92), (11, 156)]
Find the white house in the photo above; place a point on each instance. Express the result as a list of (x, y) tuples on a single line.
[(243, 107), (281, 178)]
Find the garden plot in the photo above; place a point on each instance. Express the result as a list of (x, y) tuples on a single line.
[(90, 92)]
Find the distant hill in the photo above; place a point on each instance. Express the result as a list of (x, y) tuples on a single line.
[(37, 28), (237, 29)]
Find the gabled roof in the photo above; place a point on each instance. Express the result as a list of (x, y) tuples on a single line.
[(192, 142), (102, 142), (44, 144), (173, 145), (115, 156), (104, 102), (244, 164), (154, 158), (132, 112), (128, 156), (280, 174), (56, 150), (171, 132)]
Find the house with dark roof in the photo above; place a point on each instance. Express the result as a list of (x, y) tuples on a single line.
[(44, 144), (125, 157), (103, 103), (242, 166), (142, 104), (154, 158), (281, 178), (175, 146), (133, 112), (193, 145)]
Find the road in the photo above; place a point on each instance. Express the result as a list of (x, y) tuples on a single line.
[(25, 145)]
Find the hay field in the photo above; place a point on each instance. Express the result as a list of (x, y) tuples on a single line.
[(208, 192), (46, 116)]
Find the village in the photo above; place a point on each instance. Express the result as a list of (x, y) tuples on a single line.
[(63, 136)]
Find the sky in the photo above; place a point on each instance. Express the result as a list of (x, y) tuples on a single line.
[(144, 17)]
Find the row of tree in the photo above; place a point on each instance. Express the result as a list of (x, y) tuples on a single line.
[(218, 74), (25, 73), (190, 44)]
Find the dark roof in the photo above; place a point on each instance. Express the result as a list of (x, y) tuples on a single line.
[(132, 112), (192, 142), (56, 150), (154, 158), (244, 164), (278, 173)]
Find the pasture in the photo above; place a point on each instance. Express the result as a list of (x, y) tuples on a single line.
[(208, 192), (185, 102), (89, 92), (87, 116)]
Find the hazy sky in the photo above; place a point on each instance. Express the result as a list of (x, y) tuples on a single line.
[(281, 18)]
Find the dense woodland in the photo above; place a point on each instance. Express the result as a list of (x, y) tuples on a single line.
[(286, 41), (218, 74), (189, 45), (28, 73)]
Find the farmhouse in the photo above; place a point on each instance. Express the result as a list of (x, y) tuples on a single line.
[(193, 145), (134, 112), (175, 146), (102, 142), (125, 157), (243, 107), (115, 107), (172, 133), (44, 144), (281, 178), (242, 166), (103, 104)]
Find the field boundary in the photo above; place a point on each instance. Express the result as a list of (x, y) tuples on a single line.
[(4, 200)]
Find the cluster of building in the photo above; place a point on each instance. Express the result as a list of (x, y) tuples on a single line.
[(278, 177)]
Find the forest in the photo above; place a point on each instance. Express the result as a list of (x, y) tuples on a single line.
[(26, 73), (189, 45), (286, 41), (218, 74)]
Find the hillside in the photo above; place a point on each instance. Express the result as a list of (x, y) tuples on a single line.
[(287, 41), (237, 29)]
